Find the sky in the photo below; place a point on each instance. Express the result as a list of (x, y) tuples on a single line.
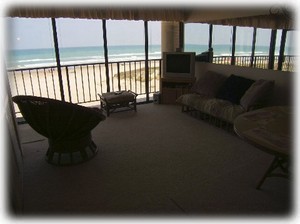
[(25, 33), (37, 33)]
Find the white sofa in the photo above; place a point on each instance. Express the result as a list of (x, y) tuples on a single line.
[(208, 100)]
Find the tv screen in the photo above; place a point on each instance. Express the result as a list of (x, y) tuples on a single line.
[(178, 64)]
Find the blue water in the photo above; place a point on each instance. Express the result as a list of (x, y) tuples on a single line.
[(31, 58), (84, 55)]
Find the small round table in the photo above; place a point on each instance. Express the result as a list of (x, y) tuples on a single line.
[(269, 129)]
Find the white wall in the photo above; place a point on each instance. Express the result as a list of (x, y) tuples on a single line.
[(284, 89)]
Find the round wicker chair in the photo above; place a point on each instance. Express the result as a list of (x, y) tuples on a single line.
[(67, 126)]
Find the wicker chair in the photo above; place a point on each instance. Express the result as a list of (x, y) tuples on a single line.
[(67, 126)]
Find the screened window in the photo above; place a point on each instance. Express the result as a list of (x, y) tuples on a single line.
[(290, 48), (29, 43), (244, 37), (80, 41), (154, 38), (278, 41), (125, 40), (30, 47), (263, 37), (222, 40), (196, 37)]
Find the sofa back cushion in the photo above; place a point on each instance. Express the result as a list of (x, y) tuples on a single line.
[(209, 84), (234, 88), (258, 94)]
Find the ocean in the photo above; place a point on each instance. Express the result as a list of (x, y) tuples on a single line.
[(32, 58)]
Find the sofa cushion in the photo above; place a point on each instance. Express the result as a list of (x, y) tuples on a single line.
[(218, 108), (223, 109), (234, 88), (192, 99), (258, 94), (209, 84)]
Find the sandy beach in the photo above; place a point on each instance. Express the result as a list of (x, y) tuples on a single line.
[(85, 81)]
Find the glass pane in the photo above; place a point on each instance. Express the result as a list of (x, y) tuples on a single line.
[(222, 40), (125, 40), (243, 44), (31, 50), (290, 51), (30, 43), (263, 37), (80, 41), (290, 45), (196, 37), (126, 52), (278, 40), (154, 35)]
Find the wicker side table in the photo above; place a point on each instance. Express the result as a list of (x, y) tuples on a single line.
[(111, 101)]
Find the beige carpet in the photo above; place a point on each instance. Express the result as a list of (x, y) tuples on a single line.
[(157, 161)]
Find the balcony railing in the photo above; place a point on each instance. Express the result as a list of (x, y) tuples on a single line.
[(81, 83), (258, 62)]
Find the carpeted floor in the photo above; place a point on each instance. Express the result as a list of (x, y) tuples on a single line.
[(155, 162)]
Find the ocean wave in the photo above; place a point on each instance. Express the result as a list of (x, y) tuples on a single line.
[(125, 55), (37, 65), (131, 54), (86, 61), (82, 57), (222, 54), (36, 59)]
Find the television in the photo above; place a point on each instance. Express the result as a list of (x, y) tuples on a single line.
[(179, 65)]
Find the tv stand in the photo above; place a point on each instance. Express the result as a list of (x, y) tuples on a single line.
[(172, 88)]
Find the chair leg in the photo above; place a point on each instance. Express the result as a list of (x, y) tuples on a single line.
[(83, 154), (71, 157), (134, 104), (93, 147), (79, 152), (276, 163), (107, 110), (49, 155), (59, 158)]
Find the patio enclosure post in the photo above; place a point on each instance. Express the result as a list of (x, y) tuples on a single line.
[(146, 61), (57, 59)]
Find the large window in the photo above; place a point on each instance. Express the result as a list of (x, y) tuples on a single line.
[(243, 44), (222, 40), (30, 43), (289, 51), (290, 44), (263, 37), (80, 41), (278, 42), (196, 37), (154, 38), (125, 40)]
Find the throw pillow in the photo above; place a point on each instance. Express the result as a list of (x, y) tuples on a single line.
[(234, 88), (208, 84), (258, 94)]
